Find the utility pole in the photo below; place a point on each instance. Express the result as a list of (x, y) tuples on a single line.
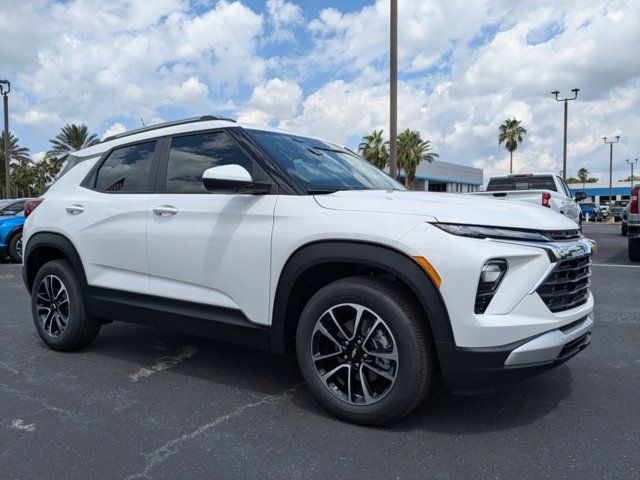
[(393, 76), (632, 163), (4, 91), (610, 143), (566, 112)]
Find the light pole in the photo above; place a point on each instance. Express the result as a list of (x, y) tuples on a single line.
[(4, 91), (632, 163), (610, 143), (393, 104), (566, 111)]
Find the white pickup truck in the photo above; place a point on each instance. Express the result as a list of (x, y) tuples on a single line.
[(544, 189)]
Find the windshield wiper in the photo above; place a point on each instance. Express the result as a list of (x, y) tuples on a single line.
[(322, 191)]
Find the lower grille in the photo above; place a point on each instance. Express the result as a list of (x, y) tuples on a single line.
[(568, 284), (574, 346)]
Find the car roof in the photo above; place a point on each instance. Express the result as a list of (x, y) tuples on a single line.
[(195, 124)]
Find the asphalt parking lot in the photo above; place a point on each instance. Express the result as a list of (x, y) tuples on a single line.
[(142, 403)]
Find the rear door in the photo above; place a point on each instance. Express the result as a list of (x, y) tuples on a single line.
[(205, 248), (107, 216)]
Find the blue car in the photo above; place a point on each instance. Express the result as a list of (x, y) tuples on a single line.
[(11, 223), (591, 210)]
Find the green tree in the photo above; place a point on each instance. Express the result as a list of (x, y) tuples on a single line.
[(511, 133), (573, 180), (412, 149), (23, 178), (583, 175), (374, 149), (16, 154), (71, 138)]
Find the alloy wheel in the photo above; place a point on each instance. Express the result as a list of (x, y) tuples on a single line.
[(53, 305), (354, 354), (19, 246)]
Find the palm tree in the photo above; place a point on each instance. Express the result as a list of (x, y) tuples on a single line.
[(23, 177), (583, 176), (374, 149), (511, 133), (16, 153), (71, 138), (412, 149)]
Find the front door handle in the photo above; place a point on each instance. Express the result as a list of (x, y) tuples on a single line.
[(165, 210), (74, 209)]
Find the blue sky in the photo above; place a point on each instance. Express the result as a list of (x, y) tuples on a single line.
[(321, 67)]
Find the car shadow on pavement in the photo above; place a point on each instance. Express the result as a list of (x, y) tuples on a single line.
[(240, 367), (500, 408), (262, 373)]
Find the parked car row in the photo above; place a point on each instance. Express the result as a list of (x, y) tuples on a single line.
[(11, 224)]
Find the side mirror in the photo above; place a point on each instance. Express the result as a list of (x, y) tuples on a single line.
[(232, 178), (580, 196)]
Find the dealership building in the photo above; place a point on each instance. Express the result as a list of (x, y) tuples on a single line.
[(599, 192), (440, 176)]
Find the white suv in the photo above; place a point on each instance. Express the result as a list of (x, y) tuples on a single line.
[(290, 243)]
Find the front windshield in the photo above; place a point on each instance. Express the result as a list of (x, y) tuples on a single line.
[(321, 167)]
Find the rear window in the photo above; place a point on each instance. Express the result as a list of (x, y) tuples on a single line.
[(127, 169), (542, 182)]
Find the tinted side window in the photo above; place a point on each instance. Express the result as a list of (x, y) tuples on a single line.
[(14, 208), (191, 155), (127, 169)]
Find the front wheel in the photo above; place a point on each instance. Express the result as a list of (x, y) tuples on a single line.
[(364, 350), (59, 310)]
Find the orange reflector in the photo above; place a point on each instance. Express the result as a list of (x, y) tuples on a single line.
[(424, 263)]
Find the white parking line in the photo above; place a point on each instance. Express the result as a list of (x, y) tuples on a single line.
[(18, 424), (613, 265), (165, 363)]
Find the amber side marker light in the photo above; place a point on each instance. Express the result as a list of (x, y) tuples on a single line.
[(427, 267)]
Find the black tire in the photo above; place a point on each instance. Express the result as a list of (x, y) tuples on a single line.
[(81, 329), (416, 366), (14, 248), (634, 249), (624, 230)]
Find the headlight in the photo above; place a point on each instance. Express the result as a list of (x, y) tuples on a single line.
[(476, 231)]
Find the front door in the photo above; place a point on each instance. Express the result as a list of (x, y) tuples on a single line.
[(212, 249)]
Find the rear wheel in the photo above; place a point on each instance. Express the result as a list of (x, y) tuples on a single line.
[(15, 247), (364, 351), (59, 309), (623, 230), (634, 249)]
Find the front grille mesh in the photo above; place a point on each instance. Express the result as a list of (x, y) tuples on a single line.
[(567, 286)]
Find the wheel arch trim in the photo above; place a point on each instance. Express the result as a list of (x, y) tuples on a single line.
[(58, 242), (382, 257)]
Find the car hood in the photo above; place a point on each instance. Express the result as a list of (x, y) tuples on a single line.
[(448, 208)]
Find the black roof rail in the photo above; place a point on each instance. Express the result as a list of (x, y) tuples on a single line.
[(203, 118)]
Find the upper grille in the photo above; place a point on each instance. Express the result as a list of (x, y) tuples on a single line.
[(560, 235), (567, 286)]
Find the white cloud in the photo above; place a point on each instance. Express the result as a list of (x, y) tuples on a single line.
[(275, 99), (114, 129), (283, 16)]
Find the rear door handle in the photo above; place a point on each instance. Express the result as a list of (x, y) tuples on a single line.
[(165, 210), (74, 209)]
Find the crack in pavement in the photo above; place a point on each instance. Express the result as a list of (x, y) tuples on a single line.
[(170, 448), (45, 405)]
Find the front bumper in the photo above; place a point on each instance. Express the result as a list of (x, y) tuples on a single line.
[(482, 367)]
